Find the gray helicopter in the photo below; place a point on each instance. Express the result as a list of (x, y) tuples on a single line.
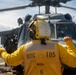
[(61, 24)]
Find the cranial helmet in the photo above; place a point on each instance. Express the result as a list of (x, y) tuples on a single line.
[(39, 29)]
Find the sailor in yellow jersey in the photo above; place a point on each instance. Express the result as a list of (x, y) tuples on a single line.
[(42, 56)]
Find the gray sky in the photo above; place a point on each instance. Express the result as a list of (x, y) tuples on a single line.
[(8, 20)]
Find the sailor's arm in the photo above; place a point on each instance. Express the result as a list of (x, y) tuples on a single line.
[(14, 58), (68, 54)]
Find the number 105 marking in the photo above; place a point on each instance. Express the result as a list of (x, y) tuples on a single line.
[(50, 54)]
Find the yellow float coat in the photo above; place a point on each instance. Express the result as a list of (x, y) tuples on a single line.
[(42, 59)]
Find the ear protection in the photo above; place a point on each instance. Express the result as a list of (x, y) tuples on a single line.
[(31, 32)]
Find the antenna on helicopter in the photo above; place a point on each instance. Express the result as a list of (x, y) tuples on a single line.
[(39, 9), (56, 10)]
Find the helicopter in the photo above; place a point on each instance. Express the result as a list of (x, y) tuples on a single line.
[(61, 24)]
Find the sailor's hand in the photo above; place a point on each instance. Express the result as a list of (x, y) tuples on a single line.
[(2, 50), (66, 38)]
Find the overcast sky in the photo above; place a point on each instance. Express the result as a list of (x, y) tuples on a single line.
[(8, 19)]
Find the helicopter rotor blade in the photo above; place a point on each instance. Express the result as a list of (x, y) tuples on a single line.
[(16, 8), (38, 3), (68, 7)]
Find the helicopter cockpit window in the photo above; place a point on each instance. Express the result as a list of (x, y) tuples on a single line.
[(65, 30)]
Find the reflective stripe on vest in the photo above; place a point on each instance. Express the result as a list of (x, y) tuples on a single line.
[(38, 46)]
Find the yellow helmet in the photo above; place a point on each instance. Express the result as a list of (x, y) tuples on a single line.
[(41, 29)]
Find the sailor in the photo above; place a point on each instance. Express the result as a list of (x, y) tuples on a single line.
[(41, 56)]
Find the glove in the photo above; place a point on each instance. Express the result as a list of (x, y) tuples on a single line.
[(66, 38), (2, 50)]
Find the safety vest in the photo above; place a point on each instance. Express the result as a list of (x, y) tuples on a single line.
[(42, 59)]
